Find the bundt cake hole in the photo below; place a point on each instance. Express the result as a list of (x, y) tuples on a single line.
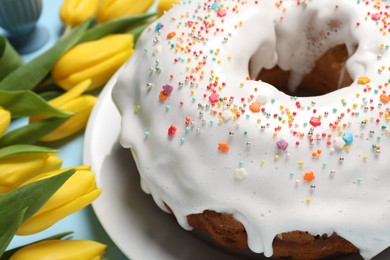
[(328, 74)]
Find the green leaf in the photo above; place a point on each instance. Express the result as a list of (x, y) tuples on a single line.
[(51, 94), (29, 75), (31, 196), (31, 133), (113, 26), (7, 254), (18, 149), (25, 201), (9, 58), (136, 31), (27, 103), (9, 229)]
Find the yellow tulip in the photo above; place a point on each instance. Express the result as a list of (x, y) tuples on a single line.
[(18, 169), (111, 9), (165, 5), (96, 60), (74, 12), (61, 250), (5, 120), (76, 193), (71, 101)]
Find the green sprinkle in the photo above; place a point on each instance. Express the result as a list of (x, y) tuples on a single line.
[(146, 134), (182, 140), (167, 107), (137, 108), (292, 173), (241, 163)]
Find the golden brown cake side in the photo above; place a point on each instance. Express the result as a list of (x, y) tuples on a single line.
[(230, 233)]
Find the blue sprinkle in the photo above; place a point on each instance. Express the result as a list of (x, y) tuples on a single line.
[(215, 6), (158, 26), (347, 137)]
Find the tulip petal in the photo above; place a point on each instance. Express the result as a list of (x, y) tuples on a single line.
[(56, 172), (5, 120), (16, 170), (76, 186), (40, 222), (61, 250), (100, 72), (74, 12), (83, 108), (75, 92), (112, 9), (165, 5), (88, 54)]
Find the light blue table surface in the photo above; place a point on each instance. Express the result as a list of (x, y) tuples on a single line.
[(84, 223)]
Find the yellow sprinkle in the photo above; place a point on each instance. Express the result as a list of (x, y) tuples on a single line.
[(276, 157), (364, 157), (300, 163), (275, 134), (347, 148), (363, 80), (308, 200), (357, 95), (262, 163), (355, 105), (242, 84), (192, 91), (258, 120)]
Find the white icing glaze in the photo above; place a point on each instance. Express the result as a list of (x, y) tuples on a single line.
[(262, 186)]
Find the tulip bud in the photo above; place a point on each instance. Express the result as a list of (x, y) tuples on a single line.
[(74, 12), (165, 5), (71, 101), (96, 60), (111, 9), (76, 193), (18, 169), (61, 250), (5, 120)]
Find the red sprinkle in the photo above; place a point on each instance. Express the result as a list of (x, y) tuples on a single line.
[(315, 121), (221, 12), (172, 130)]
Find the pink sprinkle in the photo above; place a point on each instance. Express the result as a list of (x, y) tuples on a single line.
[(282, 144), (167, 89), (172, 130), (214, 98), (314, 121), (376, 16), (221, 12)]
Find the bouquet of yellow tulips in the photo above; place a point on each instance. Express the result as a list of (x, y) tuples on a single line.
[(54, 92)]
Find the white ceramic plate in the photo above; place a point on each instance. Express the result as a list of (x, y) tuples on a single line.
[(130, 217)]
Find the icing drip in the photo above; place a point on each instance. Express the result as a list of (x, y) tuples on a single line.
[(206, 136)]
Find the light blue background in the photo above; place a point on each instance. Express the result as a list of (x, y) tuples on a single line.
[(84, 222)]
